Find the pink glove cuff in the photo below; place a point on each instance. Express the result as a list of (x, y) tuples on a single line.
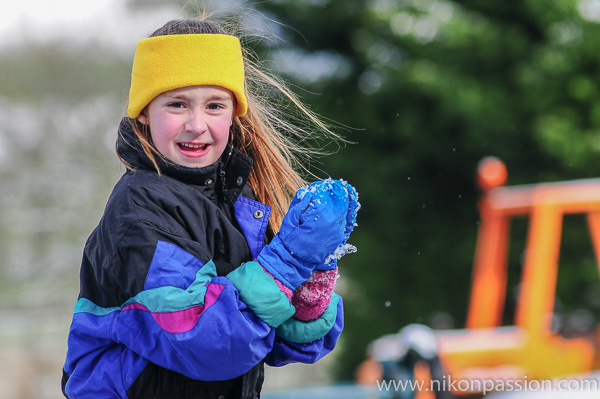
[(312, 297)]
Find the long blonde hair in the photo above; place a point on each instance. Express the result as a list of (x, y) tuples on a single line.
[(275, 140)]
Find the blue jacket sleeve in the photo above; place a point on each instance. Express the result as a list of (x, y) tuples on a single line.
[(285, 351), (185, 319)]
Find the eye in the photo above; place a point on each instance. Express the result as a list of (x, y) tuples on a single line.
[(215, 106), (176, 104)]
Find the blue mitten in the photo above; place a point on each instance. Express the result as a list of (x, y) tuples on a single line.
[(319, 221), (344, 248)]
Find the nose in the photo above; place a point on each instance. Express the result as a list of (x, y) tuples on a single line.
[(196, 122)]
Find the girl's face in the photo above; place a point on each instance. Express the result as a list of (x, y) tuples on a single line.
[(190, 126)]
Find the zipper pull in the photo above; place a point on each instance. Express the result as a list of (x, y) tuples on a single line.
[(223, 181)]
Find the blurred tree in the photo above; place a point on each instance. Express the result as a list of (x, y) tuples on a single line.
[(429, 88), (58, 107)]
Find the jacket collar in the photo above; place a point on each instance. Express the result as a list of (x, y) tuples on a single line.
[(227, 176)]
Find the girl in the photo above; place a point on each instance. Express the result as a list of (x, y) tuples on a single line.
[(179, 296)]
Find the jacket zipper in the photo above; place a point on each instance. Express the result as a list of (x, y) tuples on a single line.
[(222, 183)]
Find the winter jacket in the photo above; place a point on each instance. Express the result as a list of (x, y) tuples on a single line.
[(156, 318)]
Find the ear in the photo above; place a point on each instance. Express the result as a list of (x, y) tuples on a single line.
[(142, 118)]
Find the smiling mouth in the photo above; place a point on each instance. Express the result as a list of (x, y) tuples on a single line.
[(192, 147)]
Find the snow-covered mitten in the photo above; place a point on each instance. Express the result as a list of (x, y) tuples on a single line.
[(344, 248), (315, 225)]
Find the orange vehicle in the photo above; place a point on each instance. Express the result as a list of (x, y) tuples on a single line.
[(530, 348)]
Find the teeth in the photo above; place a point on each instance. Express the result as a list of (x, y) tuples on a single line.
[(193, 146)]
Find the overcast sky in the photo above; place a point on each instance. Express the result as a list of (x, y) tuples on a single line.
[(107, 21)]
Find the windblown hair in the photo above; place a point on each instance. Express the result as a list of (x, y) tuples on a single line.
[(266, 134)]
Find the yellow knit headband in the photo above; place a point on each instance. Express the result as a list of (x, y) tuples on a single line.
[(164, 63)]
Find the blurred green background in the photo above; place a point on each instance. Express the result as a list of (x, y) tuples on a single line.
[(425, 88)]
